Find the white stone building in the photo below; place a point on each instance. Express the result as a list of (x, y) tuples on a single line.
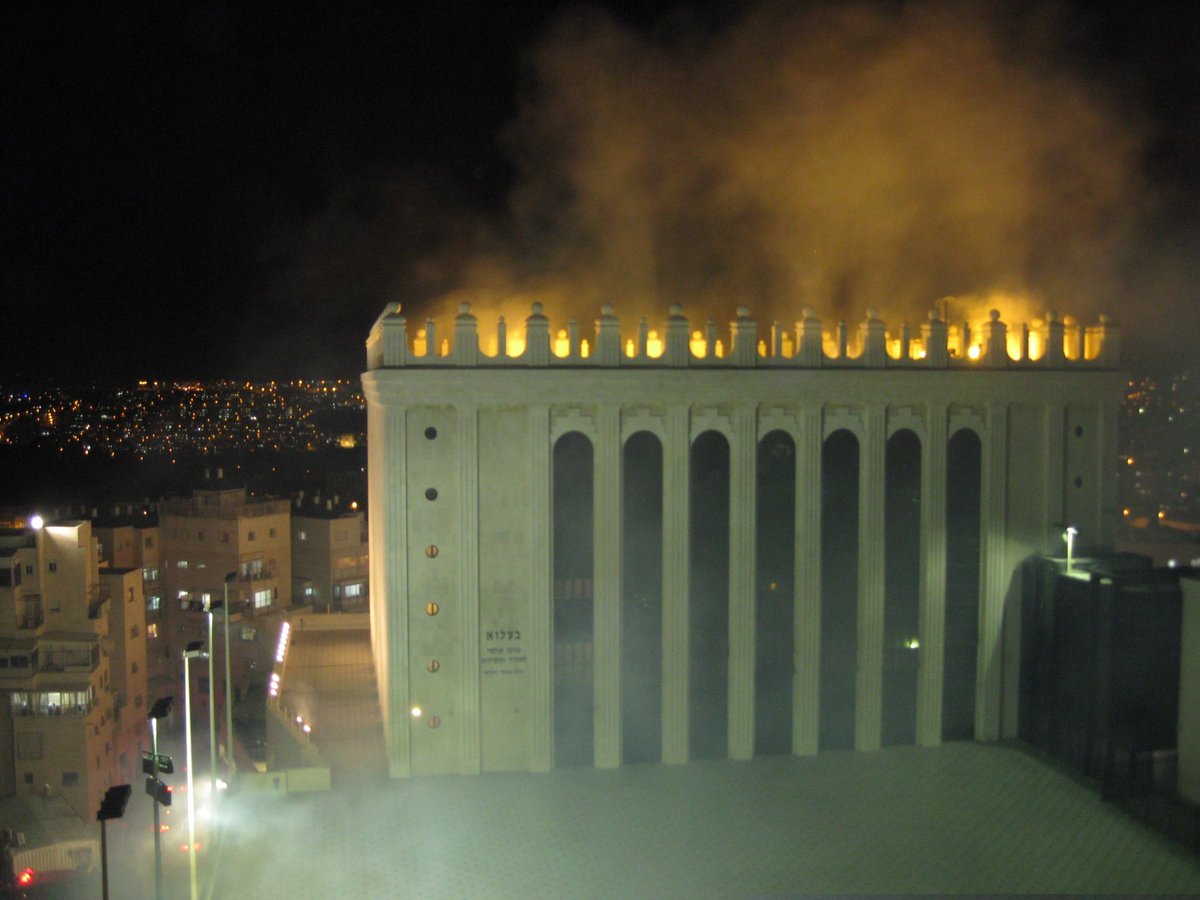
[(663, 545)]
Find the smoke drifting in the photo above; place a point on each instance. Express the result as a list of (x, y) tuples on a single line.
[(839, 156)]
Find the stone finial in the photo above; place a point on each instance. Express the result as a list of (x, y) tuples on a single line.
[(608, 338), (464, 308), (872, 313), (994, 315), (743, 312), (934, 316), (677, 351)]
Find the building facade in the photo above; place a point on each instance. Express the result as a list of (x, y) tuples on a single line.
[(217, 533), (666, 545), (329, 558), (58, 696)]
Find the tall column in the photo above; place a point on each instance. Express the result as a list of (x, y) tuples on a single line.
[(676, 513), (607, 589), (541, 629), (468, 635), (395, 553), (806, 643), (868, 722), (1055, 468), (743, 493), (993, 574), (931, 614)]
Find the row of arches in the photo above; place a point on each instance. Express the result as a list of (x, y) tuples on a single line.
[(776, 575)]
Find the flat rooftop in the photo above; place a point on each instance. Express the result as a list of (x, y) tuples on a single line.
[(960, 818)]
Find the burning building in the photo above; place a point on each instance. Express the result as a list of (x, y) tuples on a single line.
[(676, 543)]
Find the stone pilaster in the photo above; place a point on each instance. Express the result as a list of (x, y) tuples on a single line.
[(806, 644), (743, 459), (869, 680), (994, 573), (676, 512), (468, 474), (931, 615), (607, 588), (541, 650)]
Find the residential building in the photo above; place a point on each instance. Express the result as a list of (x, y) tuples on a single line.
[(58, 709), (329, 558), (221, 543)]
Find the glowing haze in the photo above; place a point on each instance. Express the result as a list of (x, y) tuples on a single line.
[(838, 157)]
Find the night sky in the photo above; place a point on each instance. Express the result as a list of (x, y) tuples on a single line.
[(210, 190)]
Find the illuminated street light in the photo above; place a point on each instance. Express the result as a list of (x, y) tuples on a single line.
[(159, 710), (1069, 537), (228, 685), (195, 650)]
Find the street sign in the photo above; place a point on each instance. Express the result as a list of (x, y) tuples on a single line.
[(153, 763), (113, 804), (159, 791)]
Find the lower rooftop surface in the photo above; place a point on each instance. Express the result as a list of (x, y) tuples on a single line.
[(961, 818)]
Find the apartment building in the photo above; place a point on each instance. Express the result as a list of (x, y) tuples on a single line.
[(58, 696), (329, 558), (223, 544)]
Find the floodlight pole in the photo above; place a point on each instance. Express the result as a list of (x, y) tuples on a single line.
[(212, 717), (158, 887), (158, 711), (194, 650), (228, 685)]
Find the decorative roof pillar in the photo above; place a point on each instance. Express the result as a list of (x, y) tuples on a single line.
[(537, 338), (388, 343), (995, 341), (608, 337), (874, 334), (1054, 355), (936, 337), (677, 352), (466, 337), (809, 342), (745, 338)]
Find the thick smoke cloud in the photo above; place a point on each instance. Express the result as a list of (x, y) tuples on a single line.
[(833, 155), (838, 156)]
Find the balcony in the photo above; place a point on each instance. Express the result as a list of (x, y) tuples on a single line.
[(98, 595), (31, 613)]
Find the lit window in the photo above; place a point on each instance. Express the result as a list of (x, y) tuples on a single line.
[(353, 590), (182, 564), (262, 598), (303, 536), (153, 602), (152, 630)]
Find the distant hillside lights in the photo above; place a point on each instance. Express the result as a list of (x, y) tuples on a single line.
[(1047, 342)]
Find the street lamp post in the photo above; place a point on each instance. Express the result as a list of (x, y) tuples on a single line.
[(195, 650), (228, 684), (161, 707), (209, 606)]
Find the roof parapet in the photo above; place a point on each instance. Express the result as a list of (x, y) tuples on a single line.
[(1051, 342)]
